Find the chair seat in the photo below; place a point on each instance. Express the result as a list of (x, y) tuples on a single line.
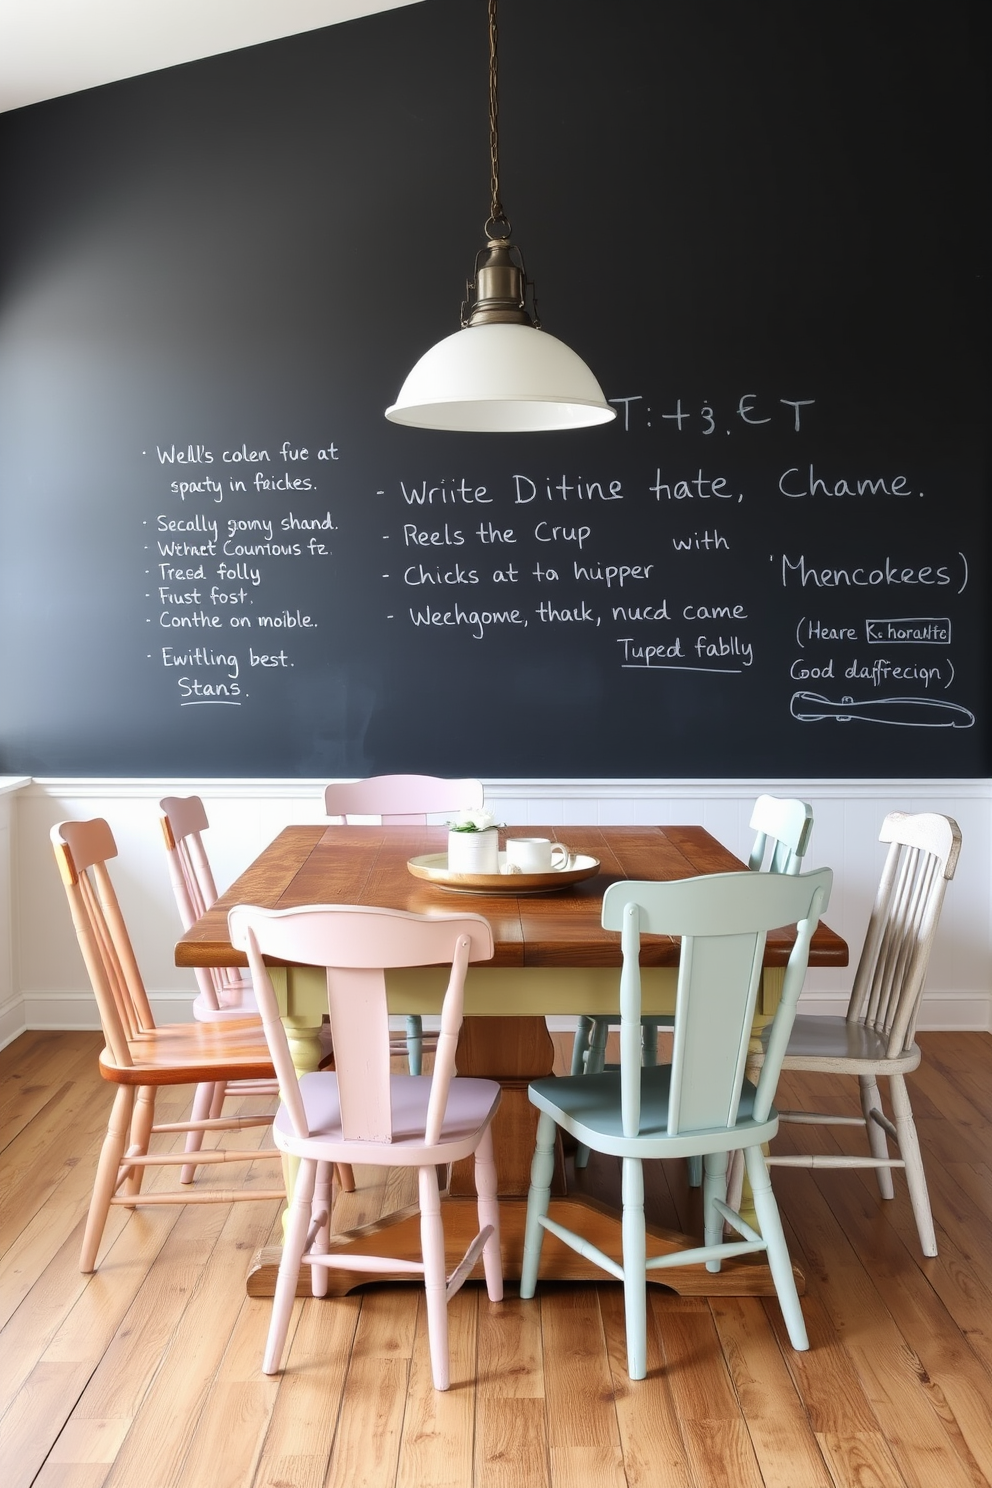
[(471, 1105), (235, 1002), (817, 1044), (247, 1011), (588, 1106), (233, 1050)]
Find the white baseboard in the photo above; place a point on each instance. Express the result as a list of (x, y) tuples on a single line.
[(940, 1012), (11, 1021)]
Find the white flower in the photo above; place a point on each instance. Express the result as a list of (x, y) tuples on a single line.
[(473, 821)]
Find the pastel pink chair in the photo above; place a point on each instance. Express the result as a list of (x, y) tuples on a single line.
[(403, 800), (362, 1112), (225, 993)]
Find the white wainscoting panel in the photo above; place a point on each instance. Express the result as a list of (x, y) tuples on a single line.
[(43, 984)]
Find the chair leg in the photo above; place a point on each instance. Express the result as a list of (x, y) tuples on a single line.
[(107, 1174), (202, 1103), (779, 1261), (323, 1198), (872, 1101), (415, 1043), (580, 1046), (635, 1300), (735, 1179), (909, 1149), (538, 1200), (595, 1060), (714, 1187), (694, 1170), (488, 1204), (649, 1043), (435, 1277), (142, 1120), (294, 1243)]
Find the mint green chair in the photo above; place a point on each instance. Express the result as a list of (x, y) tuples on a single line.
[(782, 825), (700, 1104)]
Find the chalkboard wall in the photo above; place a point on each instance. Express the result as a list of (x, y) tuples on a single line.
[(765, 228)]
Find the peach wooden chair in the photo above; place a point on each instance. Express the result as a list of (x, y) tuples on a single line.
[(877, 1037), (138, 1057), (403, 800), (361, 1112), (224, 992)]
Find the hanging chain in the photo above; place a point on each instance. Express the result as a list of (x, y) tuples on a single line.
[(497, 216)]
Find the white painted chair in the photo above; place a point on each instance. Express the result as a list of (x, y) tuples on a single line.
[(782, 827), (700, 1104), (362, 1113), (877, 1037), (402, 800)]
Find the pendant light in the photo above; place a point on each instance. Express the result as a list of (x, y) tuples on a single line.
[(501, 373)]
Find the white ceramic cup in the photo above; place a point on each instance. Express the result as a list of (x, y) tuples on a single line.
[(535, 855)]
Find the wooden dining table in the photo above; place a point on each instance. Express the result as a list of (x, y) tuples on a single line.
[(552, 957)]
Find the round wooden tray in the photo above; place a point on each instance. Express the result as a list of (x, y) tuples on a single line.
[(434, 868)]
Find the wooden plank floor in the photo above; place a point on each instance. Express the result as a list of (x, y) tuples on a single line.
[(147, 1373)]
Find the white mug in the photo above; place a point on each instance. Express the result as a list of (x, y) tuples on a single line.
[(535, 855)]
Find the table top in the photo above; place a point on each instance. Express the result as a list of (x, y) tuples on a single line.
[(367, 865)]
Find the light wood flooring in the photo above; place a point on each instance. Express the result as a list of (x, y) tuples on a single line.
[(147, 1373)]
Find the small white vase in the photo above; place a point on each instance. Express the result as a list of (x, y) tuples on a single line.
[(473, 852)]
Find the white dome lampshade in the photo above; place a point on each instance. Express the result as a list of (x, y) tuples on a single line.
[(501, 373), (500, 379)]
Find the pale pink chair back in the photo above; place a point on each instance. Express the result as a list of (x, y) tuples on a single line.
[(183, 821), (401, 799), (357, 944)]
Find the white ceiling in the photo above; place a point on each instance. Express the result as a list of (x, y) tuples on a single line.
[(50, 47)]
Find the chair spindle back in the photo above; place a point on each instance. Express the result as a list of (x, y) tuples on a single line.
[(783, 826), (891, 975), (401, 800), (82, 849)]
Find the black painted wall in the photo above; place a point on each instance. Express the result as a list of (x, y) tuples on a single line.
[(765, 227)]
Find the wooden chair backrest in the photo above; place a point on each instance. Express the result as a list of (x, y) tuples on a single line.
[(82, 850), (401, 799), (722, 920), (783, 826), (892, 970), (183, 820), (357, 944)]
